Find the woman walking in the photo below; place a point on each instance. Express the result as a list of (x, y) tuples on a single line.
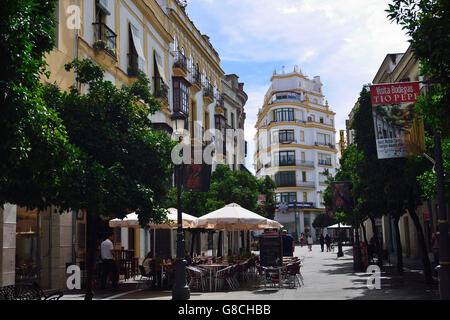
[(302, 238), (310, 242)]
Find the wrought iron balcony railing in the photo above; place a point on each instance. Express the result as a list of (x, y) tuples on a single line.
[(220, 101), (326, 145), (180, 61), (286, 97), (105, 38), (195, 77), (208, 91), (325, 162)]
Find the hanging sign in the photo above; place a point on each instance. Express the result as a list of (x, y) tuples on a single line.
[(398, 131)]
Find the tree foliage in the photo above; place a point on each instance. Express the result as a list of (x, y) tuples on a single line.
[(427, 22), (35, 151), (122, 165), (323, 220)]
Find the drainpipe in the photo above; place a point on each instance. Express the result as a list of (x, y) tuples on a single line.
[(76, 46)]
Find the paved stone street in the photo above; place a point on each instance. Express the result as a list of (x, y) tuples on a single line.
[(325, 277)]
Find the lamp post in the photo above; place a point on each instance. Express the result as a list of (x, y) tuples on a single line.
[(340, 253), (180, 290)]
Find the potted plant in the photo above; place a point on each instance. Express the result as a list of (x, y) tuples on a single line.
[(99, 45)]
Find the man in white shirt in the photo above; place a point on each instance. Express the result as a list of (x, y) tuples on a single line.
[(109, 264)]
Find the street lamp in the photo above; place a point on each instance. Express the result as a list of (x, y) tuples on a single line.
[(340, 253), (180, 290)]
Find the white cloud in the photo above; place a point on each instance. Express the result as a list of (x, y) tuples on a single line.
[(342, 41)]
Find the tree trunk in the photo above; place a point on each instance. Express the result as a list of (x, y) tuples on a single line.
[(91, 249), (399, 245), (364, 232), (423, 246), (378, 246)]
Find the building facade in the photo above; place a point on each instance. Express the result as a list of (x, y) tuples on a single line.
[(296, 147), (125, 37)]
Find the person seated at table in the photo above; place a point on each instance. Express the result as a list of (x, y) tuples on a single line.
[(187, 257), (147, 263)]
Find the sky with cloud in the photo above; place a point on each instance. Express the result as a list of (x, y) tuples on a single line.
[(343, 42)]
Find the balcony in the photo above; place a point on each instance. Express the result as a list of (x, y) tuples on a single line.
[(324, 162), (283, 97), (180, 65), (161, 89), (298, 163), (208, 94), (195, 80), (291, 183), (326, 145), (220, 101), (105, 39), (293, 120)]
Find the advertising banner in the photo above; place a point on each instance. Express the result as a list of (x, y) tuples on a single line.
[(341, 195), (398, 131), (197, 177)]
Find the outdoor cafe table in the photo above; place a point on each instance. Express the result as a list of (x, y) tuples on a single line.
[(212, 267), (168, 266)]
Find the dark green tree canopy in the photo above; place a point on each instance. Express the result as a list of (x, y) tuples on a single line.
[(34, 148), (123, 165)]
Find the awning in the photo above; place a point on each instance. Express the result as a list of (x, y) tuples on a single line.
[(138, 47), (159, 66)]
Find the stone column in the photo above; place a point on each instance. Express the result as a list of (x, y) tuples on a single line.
[(8, 244)]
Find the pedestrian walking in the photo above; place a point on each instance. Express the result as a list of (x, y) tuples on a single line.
[(328, 242), (288, 244), (108, 262), (310, 242), (435, 246), (302, 239), (322, 242)]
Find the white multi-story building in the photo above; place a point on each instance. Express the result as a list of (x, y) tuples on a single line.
[(295, 145)]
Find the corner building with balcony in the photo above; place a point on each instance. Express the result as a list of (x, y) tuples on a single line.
[(295, 145)]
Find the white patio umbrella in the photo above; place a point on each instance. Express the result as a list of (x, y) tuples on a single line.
[(233, 217), (132, 221)]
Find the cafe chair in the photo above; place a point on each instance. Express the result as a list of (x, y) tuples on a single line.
[(225, 275), (197, 278), (148, 277), (291, 275)]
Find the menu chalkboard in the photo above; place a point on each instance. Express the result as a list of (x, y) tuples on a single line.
[(270, 250)]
